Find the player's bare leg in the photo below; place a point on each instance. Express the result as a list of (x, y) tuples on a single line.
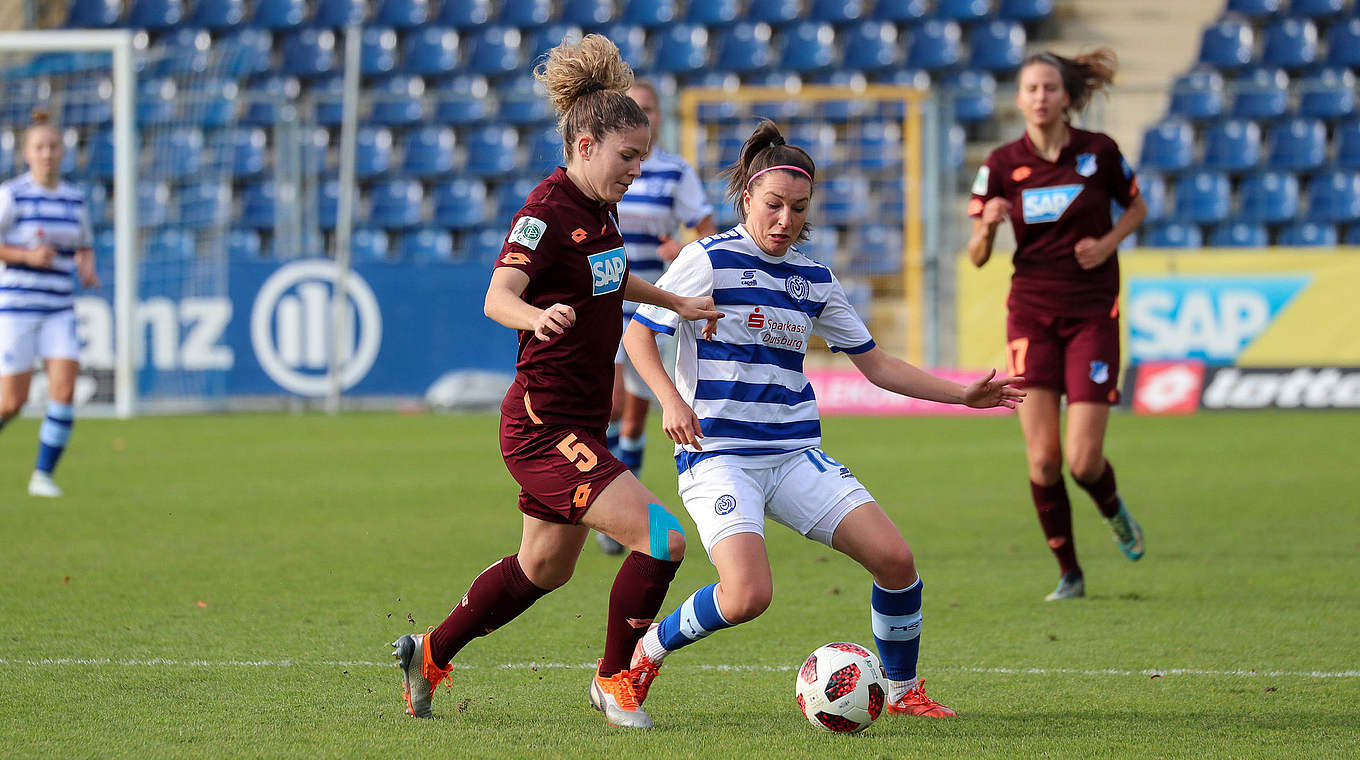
[(1086, 426)]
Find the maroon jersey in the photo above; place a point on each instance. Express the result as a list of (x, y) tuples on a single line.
[(570, 247), (1054, 204)]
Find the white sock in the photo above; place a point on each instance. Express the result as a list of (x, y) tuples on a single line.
[(651, 646), (897, 689)]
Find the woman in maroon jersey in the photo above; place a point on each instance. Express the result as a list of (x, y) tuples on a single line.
[(560, 281), (1055, 185)]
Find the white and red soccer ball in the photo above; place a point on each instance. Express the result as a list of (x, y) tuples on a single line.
[(841, 687)]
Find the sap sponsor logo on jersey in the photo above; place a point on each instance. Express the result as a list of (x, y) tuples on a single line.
[(606, 270), (1167, 387), (1213, 318), (1047, 204), (1283, 388)]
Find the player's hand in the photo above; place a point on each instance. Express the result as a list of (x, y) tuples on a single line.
[(681, 424), (668, 249), (41, 255), (88, 277), (693, 309), (989, 391), (996, 211), (1092, 252), (554, 320)]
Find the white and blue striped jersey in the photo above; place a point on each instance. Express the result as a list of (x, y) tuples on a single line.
[(746, 384), (30, 215), (664, 197)]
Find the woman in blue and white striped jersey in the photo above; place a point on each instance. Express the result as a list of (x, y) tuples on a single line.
[(746, 425), (44, 241)]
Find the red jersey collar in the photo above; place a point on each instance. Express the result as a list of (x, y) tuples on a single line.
[(1029, 146), (577, 195)]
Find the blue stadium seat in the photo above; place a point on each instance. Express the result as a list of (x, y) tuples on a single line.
[(1352, 235), (997, 46), (1026, 11), (539, 41), (1171, 235), (171, 244), (1328, 95), (1239, 235), (327, 96), (1255, 8), (181, 51), (841, 109), (774, 12), (461, 101), (482, 245), (1203, 197), (213, 104), (682, 48), (845, 199), (99, 156), (1270, 197), (817, 138), (244, 245), (876, 249), (934, 45), (155, 14), (649, 13), (218, 14), (1307, 234), (588, 13), (870, 46), (743, 47), (1298, 145), (426, 245), (875, 145), (713, 12), (97, 206), (966, 11), (244, 150), (156, 101), (1232, 145), (1197, 95), (493, 50), (631, 41), (257, 205), (153, 203), (428, 152), (279, 14), (525, 14), (308, 53), (510, 197), (808, 46), (396, 203), (176, 153), (545, 150), (87, 103), (1291, 43), (901, 11), (823, 246), (316, 151), (460, 204), (267, 98), (724, 214), (1227, 44), (1334, 197), (463, 14), (524, 102), (85, 14), (1261, 94), (1343, 43), (836, 11), (1152, 187), (397, 101), (328, 203), (1348, 145), (377, 51), (245, 52), (370, 245), (1168, 146), (974, 95), (402, 14), (204, 204), (1319, 9), (430, 51), (338, 14), (491, 151), (70, 140), (373, 151), (9, 153)]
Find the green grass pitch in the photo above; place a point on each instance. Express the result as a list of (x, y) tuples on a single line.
[(225, 586)]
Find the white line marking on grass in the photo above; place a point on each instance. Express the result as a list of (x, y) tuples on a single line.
[(163, 662)]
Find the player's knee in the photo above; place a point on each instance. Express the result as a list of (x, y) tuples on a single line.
[(9, 407), (675, 543), (1045, 468), (746, 602), (547, 575), (897, 567), (1087, 465)]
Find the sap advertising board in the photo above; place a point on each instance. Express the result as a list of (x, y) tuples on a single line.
[(1212, 318), (410, 325)]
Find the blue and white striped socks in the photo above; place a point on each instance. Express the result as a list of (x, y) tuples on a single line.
[(696, 618), (896, 619), (53, 435)]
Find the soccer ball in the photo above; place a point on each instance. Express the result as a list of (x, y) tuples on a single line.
[(841, 687)]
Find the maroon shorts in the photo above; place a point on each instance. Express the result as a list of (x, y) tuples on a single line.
[(560, 468), (1078, 356)]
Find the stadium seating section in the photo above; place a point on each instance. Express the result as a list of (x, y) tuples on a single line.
[(453, 132)]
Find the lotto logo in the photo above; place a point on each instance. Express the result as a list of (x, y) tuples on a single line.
[(606, 270), (1047, 204), (1168, 387)]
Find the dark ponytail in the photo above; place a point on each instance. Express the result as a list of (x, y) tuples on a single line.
[(1082, 76)]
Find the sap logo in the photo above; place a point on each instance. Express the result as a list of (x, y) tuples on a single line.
[(606, 270), (1047, 204), (1209, 318)]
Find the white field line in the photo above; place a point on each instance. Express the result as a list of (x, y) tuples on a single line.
[(1148, 672)]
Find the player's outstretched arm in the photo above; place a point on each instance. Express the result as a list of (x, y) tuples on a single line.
[(677, 417), (689, 309), (505, 304), (891, 373)]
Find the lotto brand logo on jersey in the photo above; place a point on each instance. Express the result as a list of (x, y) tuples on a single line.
[(606, 271), (1021, 173), (1167, 387), (1047, 204), (527, 232)]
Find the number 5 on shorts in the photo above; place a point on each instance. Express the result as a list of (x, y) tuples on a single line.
[(578, 453)]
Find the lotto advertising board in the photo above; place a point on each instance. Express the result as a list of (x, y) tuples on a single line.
[(1211, 329)]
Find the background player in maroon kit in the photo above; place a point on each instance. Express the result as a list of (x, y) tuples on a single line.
[(1055, 184), (560, 281)]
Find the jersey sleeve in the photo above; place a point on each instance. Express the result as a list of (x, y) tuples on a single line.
[(690, 275), (691, 205), (986, 185), (840, 325), (1122, 183), (531, 242)]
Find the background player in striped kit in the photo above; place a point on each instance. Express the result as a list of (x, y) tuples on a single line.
[(746, 425), (44, 240), (1055, 185), (665, 197)]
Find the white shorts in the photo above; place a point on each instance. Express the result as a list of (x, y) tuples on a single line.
[(25, 337), (807, 491)]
